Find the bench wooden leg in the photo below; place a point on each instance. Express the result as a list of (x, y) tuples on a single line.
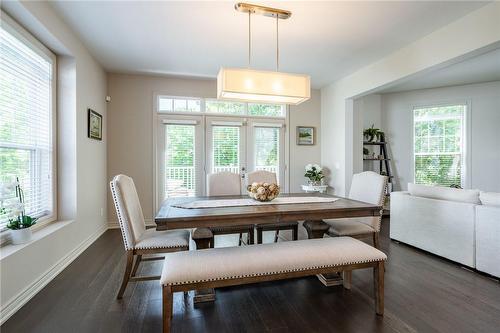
[(378, 279), (126, 275), (347, 278), (167, 308)]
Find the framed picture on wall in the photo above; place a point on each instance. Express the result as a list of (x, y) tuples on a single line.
[(94, 125), (305, 136)]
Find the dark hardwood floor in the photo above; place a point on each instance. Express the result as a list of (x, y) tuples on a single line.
[(423, 294)]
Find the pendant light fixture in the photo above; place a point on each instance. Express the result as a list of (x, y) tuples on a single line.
[(245, 84)]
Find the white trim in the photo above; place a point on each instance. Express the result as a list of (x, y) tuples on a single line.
[(180, 121), (14, 304), (226, 123), (280, 125)]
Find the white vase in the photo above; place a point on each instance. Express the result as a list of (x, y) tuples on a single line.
[(20, 236)]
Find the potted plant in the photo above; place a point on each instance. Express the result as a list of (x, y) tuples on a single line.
[(372, 133), (315, 174), (18, 222)]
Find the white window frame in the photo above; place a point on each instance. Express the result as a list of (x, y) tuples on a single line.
[(466, 178), (203, 111), (29, 40), (160, 116)]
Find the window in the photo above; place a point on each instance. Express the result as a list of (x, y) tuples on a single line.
[(267, 145), (226, 149), (439, 145), (174, 104), (214, 106), (27, 121), (180, 160)]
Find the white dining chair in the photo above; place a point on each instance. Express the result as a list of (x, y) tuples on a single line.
[(223, 184), (368, 187), (263, 176), (137, 239)]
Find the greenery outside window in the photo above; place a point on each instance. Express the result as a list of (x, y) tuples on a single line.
[(438, 149), (171, 104), (27, 122)]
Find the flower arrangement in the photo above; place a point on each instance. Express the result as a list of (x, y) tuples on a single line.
[(263, 191), (18, 221), (314, 173)]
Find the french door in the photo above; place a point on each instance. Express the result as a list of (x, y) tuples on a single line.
[(191, 147), (240, 145)]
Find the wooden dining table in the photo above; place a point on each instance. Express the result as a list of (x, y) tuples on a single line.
[(170, 216)]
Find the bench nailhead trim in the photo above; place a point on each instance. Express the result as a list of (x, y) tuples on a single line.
[(272, 273)]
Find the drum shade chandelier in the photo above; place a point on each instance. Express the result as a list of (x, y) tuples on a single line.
[(245, 84)]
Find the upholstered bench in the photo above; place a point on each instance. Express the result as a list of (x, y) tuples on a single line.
[(220, 267)]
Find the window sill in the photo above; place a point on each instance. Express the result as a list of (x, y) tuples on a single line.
[(41, 232)]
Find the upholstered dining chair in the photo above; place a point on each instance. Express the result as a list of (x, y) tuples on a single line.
[(137, 239), (228, 183), (270, 177), (369, 187)]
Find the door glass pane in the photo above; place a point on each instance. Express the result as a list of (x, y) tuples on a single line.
[(269, 110), (267, 149), (226, 149), (180, 160)]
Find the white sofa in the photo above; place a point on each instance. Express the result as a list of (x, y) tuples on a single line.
[(451, 223)]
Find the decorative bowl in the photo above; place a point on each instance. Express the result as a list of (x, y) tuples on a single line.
[(263, 191)]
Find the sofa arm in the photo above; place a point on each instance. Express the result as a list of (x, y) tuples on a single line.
[(488, 239)]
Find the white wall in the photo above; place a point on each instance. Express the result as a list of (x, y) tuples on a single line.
[(130, 129), (484, 111), (305, 114), (367, 112), (478, 31), (81, 163)]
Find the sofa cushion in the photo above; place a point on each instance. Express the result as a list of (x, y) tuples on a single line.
[(444, 193), (490, 198)]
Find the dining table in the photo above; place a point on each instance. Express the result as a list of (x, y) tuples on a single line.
[(224, 211)]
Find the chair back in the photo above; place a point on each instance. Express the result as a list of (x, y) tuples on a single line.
[(369, 187), (261, 176), (223, 183), (128, 210)]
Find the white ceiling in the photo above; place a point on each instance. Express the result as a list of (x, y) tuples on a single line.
[(482, 68), (326, 40)]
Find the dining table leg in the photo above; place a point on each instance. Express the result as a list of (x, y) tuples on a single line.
[(203, 237), (317, 229)]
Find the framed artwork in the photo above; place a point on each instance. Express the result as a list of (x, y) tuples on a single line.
[(94, 125), (305, 135)]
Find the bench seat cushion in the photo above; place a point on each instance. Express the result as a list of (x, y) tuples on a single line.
[(265, 259)]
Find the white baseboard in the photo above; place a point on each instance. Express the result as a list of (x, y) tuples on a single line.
[(16, 303)]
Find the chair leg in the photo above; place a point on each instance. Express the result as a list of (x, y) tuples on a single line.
[(376, 240), (138, 259), (126, 275), (251, 236), (276, 236), (378, 279), (295, 232), (240, 239), (167, 308), (259, 235)]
